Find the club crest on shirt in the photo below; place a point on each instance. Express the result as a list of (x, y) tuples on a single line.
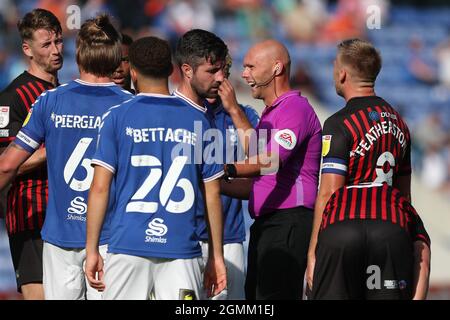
[(4, 116), (286, 138), (186, 294), (326, 145)]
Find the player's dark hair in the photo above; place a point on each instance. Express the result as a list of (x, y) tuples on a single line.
[(151, 57), (126, 39), (99, 49), (37, 19), (362, 57), (198, 44)]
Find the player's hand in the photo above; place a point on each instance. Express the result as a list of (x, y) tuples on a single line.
[(310, 271), (94, 271), (228, 96), (215, 277)]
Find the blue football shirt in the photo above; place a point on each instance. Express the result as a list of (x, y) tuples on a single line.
[(67, 120), (154, 146), (234, 227)]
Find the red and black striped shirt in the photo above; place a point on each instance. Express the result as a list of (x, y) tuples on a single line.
[(27, 198), (375, 203), (367, 141)]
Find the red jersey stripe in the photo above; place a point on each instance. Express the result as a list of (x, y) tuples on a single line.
[(24, 100)]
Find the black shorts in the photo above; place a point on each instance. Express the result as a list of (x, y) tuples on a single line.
[(363, 259), (277, 255), (26, 252)]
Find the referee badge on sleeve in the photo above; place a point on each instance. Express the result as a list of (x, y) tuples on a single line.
[(326, 145), (4, 116), (286, 138)]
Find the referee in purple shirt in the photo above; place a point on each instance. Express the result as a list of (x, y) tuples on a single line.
[(283, 164)]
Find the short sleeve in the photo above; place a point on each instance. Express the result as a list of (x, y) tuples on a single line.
[(335, 148), (106, 152), (416, 227), (290, 130), (32, 134)]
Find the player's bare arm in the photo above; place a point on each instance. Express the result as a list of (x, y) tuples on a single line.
[(97, 205), (240, 121), (422, 258), (239, 188), (257, 165), (215, 272), (328, 185), (37, 160), (10, 161)]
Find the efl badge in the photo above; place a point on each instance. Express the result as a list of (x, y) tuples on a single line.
[(27, 118), (186, 294), (326, 144), (286, 138), (4, 116)]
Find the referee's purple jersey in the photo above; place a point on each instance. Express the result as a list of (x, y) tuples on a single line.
[(293, 130)]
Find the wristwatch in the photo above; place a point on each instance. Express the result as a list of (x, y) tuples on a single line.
[(230, 172)]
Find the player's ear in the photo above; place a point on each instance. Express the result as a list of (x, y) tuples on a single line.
[(26, 48), (133, 74), (342, 75), (187, 70)]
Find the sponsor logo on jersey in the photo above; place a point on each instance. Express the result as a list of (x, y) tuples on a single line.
[(187, 294), (390, 284), (374, 115), (27, 118), (156, 230), (286, 138), (326, 144), (77, 209), (4, 133), (4, 116), (388, 115)]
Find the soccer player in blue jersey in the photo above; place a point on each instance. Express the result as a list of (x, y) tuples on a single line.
[(67, 120), (201, 57), (149, 147), (234, 226)]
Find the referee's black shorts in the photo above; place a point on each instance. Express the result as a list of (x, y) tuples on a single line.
[(277, 254), (363, 259)]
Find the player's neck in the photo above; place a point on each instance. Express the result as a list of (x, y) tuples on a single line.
[(91, 78), (41, 74), (189, 93), (359, 92)]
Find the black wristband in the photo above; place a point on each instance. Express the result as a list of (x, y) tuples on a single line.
[(230, 172)]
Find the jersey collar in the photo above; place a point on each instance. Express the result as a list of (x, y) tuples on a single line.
[(102, 84), (192, 103), (280, 99)]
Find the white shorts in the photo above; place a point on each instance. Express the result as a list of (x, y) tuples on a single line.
[(130, 277), (235, 263), (64, 277)]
